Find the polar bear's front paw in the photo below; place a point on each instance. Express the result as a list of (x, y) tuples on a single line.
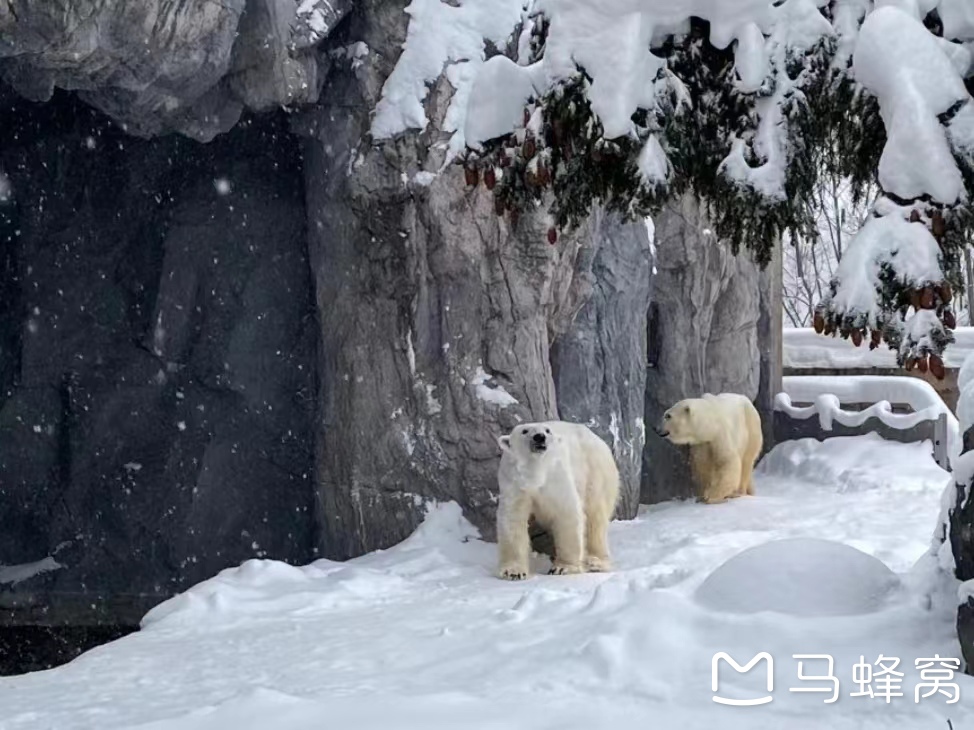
[(564, 569), (597, 565), (513, 573), (709, 499)]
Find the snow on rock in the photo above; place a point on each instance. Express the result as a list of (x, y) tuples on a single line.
[(441, 34), (491, 394), (14, 574), (908, 248), (804, 349), (423, 636), (905, 66), (801, 577)]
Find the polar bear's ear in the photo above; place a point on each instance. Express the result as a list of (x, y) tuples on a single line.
[(686, 408), (504, 442)]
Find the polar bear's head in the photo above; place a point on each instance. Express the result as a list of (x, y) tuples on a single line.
[(529, 442), (686, 423)]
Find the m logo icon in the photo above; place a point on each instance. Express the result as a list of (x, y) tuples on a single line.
[(714, 670)]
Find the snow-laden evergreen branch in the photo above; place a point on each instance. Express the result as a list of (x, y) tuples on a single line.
[(743, 103)]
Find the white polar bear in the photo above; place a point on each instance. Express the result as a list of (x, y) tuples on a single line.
[(724, 435), (564, 476)]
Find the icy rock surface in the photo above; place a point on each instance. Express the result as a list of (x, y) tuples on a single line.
[(158, 66)]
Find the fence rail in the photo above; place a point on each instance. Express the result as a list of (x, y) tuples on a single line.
[(812, 407)]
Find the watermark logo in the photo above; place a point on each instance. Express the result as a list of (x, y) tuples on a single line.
[(937, 680), (828, 677), (715, 680), (881, 679)]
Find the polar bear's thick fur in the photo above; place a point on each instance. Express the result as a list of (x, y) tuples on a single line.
[(564, 476), (724, 435)]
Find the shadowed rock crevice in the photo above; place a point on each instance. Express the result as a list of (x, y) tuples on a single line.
[(156, 421)]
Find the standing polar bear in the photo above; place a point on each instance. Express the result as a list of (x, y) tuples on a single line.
[(724, 435), (564, 476)]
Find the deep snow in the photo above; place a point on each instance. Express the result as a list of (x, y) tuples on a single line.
[(423, 636)]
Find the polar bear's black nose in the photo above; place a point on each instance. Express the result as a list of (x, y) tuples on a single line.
[(538, 438)]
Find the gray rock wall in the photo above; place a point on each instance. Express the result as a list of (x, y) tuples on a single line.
[(599, 358), (706, 335), (163, 65), (438, 320), (239, 349)]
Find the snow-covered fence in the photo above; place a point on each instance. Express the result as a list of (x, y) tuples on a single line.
[(811, 407), (806, 353)]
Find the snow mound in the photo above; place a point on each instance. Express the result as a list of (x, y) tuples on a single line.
[(800, 577), (272, 588)]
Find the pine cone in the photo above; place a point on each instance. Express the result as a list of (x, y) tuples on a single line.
[(909, 363), (857, 337), (552, 236), (927, 298), (938, 224), (490, 178), (876, 339), (944, 292), (915, 299), (922, 363), (914, 216), (937, 367), (950, 321), (529, 148), (499, 206), (471, 175), (505, 160), (818, 322), (558, 131)]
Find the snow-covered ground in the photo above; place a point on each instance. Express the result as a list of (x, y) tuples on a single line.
[(803, 349), (423, 636)]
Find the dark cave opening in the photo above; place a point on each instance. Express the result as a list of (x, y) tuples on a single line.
[(157, 379)]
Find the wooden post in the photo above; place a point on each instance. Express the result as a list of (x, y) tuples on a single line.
[(940, 442)]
